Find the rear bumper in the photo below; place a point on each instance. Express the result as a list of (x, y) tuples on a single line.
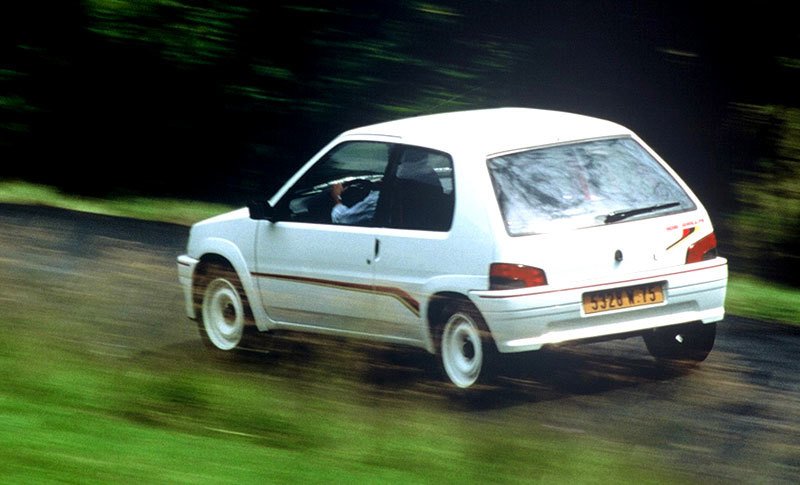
[(523, 320), (186, 266)]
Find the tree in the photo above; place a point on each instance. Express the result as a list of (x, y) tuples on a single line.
[(766, 229)]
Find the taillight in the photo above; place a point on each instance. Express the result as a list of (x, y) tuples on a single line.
[(702, 250), (506, 276)]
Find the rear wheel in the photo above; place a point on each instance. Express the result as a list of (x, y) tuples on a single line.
[(687, 343), (224, 315), (467, 350)]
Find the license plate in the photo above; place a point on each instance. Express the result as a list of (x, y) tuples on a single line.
[(619, 298)]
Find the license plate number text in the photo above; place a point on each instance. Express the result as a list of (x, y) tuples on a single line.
[(619, 298)]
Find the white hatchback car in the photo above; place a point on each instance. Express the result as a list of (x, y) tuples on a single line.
[(469, 234)]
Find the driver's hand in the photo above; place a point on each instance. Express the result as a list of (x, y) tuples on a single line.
[(336, 192)]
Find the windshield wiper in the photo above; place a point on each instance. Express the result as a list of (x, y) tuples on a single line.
[(624, 214)]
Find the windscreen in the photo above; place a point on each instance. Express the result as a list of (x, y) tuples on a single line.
[(582, 185)]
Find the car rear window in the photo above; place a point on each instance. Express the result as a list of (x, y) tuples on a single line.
[(582, 185)]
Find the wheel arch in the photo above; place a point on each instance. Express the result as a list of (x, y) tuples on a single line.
[(222, 252), (436, 316), (455, 324)]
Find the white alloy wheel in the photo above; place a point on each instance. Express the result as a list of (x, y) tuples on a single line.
[(223, 314), (462, 350)]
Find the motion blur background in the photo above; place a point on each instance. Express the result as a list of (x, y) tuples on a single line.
[(197, 105), (220, 100)]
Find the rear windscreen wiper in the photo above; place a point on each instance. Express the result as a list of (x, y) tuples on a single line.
[(624, 214)]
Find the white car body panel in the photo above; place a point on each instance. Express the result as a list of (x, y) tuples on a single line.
[(378, 282), (320, 278), (526, 320)]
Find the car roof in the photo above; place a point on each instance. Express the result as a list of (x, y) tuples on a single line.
[(493, 131)]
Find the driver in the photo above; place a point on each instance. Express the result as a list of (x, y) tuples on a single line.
[(352, 205)]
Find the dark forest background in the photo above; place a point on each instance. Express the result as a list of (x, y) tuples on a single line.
[(221, 100)]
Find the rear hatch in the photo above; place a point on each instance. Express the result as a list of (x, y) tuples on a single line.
[(595, 212), (610, 254)]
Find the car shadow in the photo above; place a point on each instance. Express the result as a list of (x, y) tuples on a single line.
[(379, 371), (559, 373)]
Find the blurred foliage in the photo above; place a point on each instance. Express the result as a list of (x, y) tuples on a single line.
[(148, 90), (14, 108), (221, 99), (183, 32), (767, 227)]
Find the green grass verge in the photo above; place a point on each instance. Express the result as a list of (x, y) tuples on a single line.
[(177, 211), (71, 416), (752, 297)]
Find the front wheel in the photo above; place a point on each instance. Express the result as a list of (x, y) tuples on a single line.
[(467, 349), (223, 310), (687, 343)]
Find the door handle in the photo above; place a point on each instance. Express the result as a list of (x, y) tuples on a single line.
[(376, 252)]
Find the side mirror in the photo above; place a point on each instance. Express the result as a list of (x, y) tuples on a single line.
[(260, 210)]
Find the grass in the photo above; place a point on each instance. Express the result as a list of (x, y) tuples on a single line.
[(177, 211), (67, 416), (752, 297)]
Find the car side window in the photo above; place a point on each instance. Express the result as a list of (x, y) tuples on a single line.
[(421, 194), (358, 167)]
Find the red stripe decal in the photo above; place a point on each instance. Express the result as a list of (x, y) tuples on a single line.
[(403, 297)]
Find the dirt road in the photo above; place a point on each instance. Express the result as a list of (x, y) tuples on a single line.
[(735, 419)]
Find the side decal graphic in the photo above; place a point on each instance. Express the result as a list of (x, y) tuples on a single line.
[(686, 233), (403, 297)]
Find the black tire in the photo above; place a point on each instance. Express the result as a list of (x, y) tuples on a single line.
[(467, 352), (689, 343), (225, 321)]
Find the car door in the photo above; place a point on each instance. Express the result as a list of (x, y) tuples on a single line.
[(316, 274), (416, 213)]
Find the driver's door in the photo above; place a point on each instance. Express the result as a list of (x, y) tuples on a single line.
[(311, 272)]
